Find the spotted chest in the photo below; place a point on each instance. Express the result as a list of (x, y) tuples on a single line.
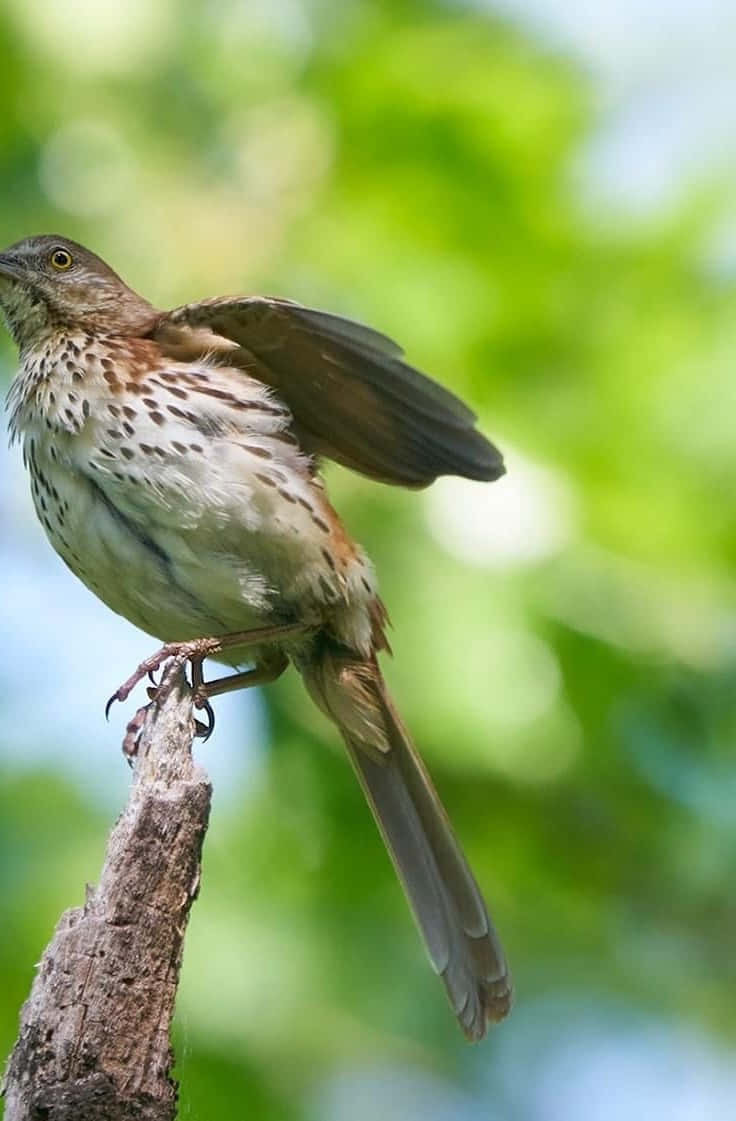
[(49, 392), (49, 406), (177, 492)]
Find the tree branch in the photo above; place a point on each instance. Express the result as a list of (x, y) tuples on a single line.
[(94, 1035)]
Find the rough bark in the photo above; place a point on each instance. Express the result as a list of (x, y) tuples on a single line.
[(94, 1035)]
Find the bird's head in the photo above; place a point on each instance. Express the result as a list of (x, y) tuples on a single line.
[(49, 283)]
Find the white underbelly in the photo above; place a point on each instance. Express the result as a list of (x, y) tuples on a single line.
[(243, 561), (189, 535)]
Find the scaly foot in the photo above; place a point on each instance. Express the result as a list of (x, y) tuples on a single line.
[(195, 651)]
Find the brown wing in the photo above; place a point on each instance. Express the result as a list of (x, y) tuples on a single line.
[(352, 396)]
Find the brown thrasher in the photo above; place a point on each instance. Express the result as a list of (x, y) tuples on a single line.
[(174, 464)]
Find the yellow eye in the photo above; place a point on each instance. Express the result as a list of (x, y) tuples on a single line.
[(61, 259)]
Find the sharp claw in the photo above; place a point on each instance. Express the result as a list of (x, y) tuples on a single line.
[(192, 652), (131, 740), (204, 730)]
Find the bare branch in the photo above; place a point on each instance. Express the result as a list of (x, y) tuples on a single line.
[(94, 1036)]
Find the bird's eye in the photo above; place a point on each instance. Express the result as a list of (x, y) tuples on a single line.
[(61, 259)]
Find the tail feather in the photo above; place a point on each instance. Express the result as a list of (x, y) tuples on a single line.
[(449, 910)]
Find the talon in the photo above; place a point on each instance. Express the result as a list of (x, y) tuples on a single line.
[(148, 668), (195, 651), (204, 730), (132, 738)]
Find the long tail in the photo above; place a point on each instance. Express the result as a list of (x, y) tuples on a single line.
[(449, 910)]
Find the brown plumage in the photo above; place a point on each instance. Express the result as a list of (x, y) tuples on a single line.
[(174, 462)]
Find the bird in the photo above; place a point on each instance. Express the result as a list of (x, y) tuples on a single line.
[(174, 461)]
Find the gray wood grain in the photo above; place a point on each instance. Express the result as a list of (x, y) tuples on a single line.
[(94, 1038)]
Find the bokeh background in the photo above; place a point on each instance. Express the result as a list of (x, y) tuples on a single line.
[(538, 199)]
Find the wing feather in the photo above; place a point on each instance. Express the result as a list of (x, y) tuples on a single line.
[(352, 395)]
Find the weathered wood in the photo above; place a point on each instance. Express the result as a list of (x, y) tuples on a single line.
[(94, 1036)]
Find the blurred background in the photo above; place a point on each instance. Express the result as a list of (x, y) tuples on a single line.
[(538, 199)]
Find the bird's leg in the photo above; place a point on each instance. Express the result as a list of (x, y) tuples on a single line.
[(194, 652), (201, 702), (261, 674), (267, 670), (197, 649)]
